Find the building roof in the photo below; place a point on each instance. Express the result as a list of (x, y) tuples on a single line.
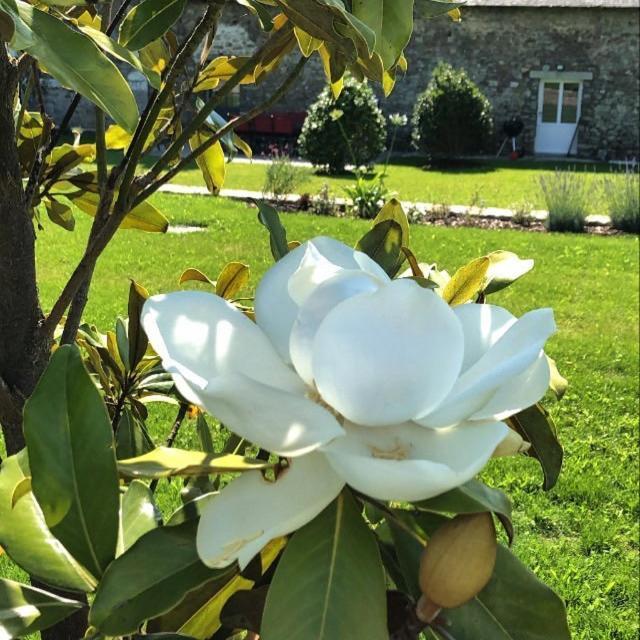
[(575, 4)]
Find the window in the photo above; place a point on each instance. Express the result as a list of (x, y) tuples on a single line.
[(570, 95), (550, 101)]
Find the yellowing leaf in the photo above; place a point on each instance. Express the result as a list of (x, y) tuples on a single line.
[(21, 489), (206, 621), (195, 275), (467, 283), (117, 138), (212, 162), (165, 462), (232, 279)]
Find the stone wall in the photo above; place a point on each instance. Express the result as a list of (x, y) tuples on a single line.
[(499, 47)]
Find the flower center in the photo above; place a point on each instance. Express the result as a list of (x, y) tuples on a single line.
[(399, 452)]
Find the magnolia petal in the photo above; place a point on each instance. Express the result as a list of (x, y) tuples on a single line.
[(517, 350), (276, 310), (386, 357), (518, 393), (249, 512), (328, 295), (483, 325), (200, 336), (285, 423), (408, 463)]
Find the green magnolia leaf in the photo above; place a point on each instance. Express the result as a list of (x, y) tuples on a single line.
[(138, 341), (505, 269), (165, 462), (393, 210), (536, 426), (59, 213), (162, 636), (25, 610), (383, 244), (132, 438), (204, 434), (467, 283), (26, 538), (148, 21), (78, 65), (149, 579), (260, 11), (392, 23), (13, 29), (515, 605), (472, 497), (211, 162), (269, 217), (72, 460), (122, 340), (336, 559), (115, 49), (20, 490), (558, 384), (232, 279), (139, 515)]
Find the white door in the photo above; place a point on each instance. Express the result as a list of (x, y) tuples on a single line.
[(559, 104)]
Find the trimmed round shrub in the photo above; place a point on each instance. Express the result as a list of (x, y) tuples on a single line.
[(350, 130), (452, 117)]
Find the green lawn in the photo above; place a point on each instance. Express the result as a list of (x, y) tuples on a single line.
[(582, 537), (487, 184)]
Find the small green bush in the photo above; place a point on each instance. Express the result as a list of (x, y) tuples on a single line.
[(567, 195), (368, 195), (282, 177), (622, 192), (351, 130), (452, 117)]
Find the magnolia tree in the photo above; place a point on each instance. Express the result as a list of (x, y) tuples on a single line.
[(355, 399)]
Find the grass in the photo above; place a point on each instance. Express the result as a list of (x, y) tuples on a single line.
[(486, 184), (582, 537)]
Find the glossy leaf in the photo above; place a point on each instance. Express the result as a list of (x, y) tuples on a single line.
[(149, 579), (144, 217), (393, 210), (392, 23), (72, 460), (204, 434), (138, 341), (337, 560), (467, 283), (26, 538), (165, 462), (78, 65), (132, 438), (115, 49), (473, 497), (22, 489), (148, 21), (232, 279), (269, 217), (25, 610), (59, 213), (138, 515), (206, 617), (383, 244), (505, 269), (211, 162), (536, 426), (195, 275)]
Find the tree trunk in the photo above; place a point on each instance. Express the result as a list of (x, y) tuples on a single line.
[(24, 350)]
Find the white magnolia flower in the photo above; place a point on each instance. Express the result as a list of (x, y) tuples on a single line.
[(359, 379)]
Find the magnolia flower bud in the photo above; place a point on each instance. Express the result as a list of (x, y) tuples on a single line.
[(457, 563), (513, 444)]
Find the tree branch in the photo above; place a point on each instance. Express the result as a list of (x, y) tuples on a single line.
[(102, 232), (150, 188)]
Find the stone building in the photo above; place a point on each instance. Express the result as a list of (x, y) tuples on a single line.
[(568, 68)]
